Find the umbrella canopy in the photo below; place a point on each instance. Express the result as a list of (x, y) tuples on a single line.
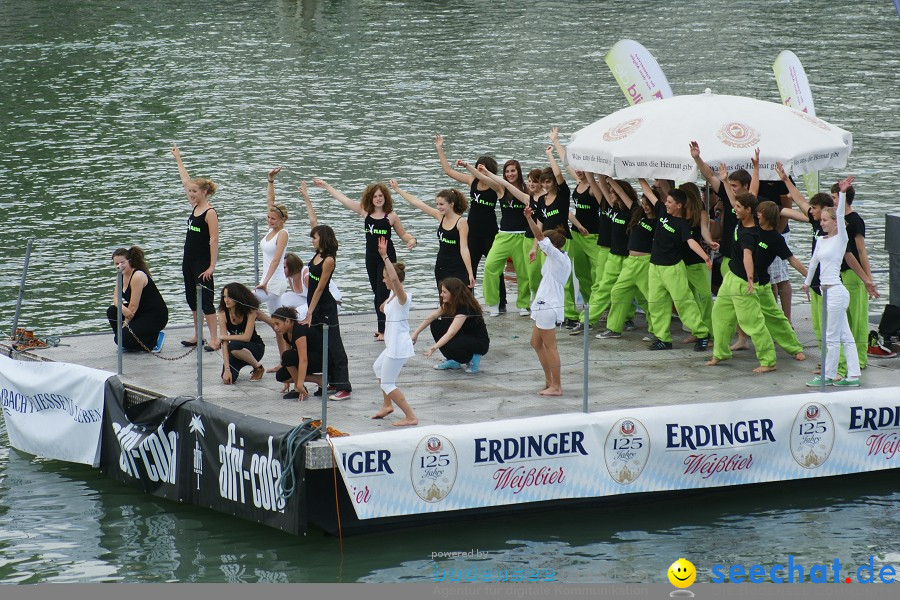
[(652, 139)]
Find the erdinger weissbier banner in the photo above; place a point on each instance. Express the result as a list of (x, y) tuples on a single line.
[(54, 410), (637, 72), (793, 87), (649, 449)]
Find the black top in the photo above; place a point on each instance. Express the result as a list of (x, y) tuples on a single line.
[(771, 245), (604, 224), (618, 244), (729, 222), (151, 302), (774, 190), (745, 238), (587, 211), (557, 213), (238, 328), (449, 255), (687, 253), (313, 336), (537, 217), (817, 233), (474, 324), (326, 300), (375, 230), (196, 241), (641, 237), (671, 233), (855, 226), (482, 210), (512, 219)]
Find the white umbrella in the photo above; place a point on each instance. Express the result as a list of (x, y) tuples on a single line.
[(652, 139)]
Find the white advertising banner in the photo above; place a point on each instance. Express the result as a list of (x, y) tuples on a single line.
[(637, 72), (53, 410), (793, 87), (652, 449)]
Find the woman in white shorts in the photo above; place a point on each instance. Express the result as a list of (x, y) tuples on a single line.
[(398, 346), (547, 309)]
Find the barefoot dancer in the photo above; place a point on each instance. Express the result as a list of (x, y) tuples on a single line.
[(548, 308), (398, 346), (376, 208)]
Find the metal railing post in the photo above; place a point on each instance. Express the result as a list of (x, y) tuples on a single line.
[(256, 251), (584, 401), (21, 289), (824, 338), (119, 282), (324, 378), (199, 332)]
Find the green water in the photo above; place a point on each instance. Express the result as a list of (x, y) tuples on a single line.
[(94, 93)]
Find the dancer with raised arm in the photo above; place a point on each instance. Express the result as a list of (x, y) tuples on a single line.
[(377, 210), (398, 345), (273, 245), (482, 217), (201, 249), (453, 258), (548, 309), (828, 255)]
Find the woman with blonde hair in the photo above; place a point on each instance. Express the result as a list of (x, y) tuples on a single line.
[(273, 246)]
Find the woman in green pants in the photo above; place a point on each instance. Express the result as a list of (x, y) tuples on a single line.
[(668, 277)]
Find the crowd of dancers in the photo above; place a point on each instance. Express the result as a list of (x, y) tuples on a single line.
[(599, 240)]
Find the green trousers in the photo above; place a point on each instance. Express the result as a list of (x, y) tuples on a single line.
[(632, 281), (723, 267), (602, 289), (668, 284), (507, 245), (815, 304), (583, 251), (858, 317), (698, 281), (735, 306), (779, 327)]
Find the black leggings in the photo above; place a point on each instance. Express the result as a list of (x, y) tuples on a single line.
[(375, 270), (143, 327), (236, 364), (191, 271), (338, 369), (291, 358), (462, 346)]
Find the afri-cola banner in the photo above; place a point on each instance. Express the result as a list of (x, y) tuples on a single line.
[(621, 452), (54, 410), (192, 451)]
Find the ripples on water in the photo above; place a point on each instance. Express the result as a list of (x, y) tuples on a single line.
[(94, 93)]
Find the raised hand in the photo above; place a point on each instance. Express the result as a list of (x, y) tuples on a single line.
[(393, 182), (382, 247), (755, 159), (439, 142), (550, 151), (779, 168), (844, 184), (319, 183), (175, 151), (723, 171), (274, 172), (554, 134), (461, 163), (303, 189), (695, 150)]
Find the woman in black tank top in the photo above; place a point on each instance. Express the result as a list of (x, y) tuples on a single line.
[(201, 250), (144, 312), (376, 208), (241, 345), (453, 259)]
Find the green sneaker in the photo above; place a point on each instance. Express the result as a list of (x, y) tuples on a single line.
[(817, 381), (846, 383)]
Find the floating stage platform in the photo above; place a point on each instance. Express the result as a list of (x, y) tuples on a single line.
[(657, 423)]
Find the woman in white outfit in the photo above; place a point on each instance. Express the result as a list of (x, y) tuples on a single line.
[(274, 282), (828, 255), (548, 307), (398, 346)]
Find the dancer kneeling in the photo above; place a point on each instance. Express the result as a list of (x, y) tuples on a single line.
[(241, 345), (302, 360), (547, 310), (398, 346), (457, 326)]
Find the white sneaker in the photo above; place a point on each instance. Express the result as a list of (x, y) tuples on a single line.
[(524, 312), (493, 310)]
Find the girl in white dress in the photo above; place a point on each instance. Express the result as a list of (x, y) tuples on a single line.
[(398, 345), (273, 245)]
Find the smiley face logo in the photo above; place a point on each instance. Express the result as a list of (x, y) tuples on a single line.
[(682, 573)]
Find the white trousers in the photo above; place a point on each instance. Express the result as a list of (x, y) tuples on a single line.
[(838, 332), (387, 369)]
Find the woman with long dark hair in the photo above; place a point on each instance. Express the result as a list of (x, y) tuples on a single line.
[(144, 312), (241, 345)]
